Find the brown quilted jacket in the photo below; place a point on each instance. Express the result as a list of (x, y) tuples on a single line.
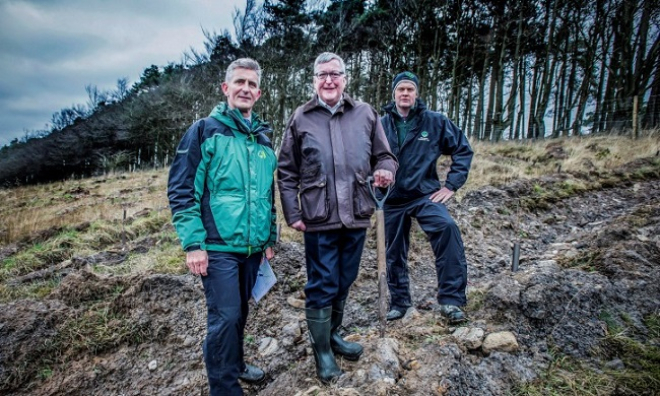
[(324, 162)]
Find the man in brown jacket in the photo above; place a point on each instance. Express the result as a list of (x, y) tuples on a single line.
[(331, 145)]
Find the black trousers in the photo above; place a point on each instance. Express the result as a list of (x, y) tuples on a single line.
[(228, 287), (333, 261), (446, 242)]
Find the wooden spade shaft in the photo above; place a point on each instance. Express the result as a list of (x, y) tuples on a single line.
[(382, 270)]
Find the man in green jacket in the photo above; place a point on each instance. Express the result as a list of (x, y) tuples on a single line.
[(221, 193)]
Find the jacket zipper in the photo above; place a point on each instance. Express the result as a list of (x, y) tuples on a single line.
[(250, 135), (249, 195)]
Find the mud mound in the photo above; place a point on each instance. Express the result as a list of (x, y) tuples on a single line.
[(26, 327), (84, 287)]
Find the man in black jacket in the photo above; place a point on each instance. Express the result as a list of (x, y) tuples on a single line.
[(418, 137)]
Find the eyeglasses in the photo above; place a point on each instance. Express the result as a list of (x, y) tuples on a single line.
[(333, 75)]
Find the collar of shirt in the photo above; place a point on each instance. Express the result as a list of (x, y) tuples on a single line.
[(334, 108), (411, 113)]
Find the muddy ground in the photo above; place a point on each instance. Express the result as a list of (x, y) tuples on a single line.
[(589, 260)]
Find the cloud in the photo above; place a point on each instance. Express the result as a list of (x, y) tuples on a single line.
[(49, 50)]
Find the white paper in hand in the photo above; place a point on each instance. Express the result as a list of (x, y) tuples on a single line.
[(265, 281)]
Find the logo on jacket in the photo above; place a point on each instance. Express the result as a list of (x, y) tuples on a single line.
[(262, 154), (424, 136)]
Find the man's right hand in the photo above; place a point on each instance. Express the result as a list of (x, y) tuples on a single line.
[(299, 225), (197, 261)]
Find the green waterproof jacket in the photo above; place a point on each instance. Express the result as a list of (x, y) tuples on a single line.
[(221, 188)]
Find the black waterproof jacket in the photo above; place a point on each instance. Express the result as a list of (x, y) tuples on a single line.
[(430, 135)]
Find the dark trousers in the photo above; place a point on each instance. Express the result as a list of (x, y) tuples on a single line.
[(333, 260), (446, 242), (228, 287)]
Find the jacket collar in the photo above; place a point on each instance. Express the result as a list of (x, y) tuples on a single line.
[(233, 119), (314, 103), (391, 108)]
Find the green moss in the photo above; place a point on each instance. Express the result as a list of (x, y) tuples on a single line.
[(586, 261), (97, 330), (476, 300), (45, 373), (652, 322), (641, 362), (21, 263), (517, 151), (570, 188), (170, 259), (613, 327), (603, 153), (9, 263), (149, 224), (90, 332), (37, 290), (566, 376)]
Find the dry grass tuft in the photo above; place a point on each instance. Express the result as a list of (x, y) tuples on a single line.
[(29, 210), (500, 163)]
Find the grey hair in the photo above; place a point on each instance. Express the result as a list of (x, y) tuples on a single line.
[(328, 57), (243, 63)]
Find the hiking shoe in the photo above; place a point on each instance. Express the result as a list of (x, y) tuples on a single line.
[(395, 314), (453, 314), (252, 374)]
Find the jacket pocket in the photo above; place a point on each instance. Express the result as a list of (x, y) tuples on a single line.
[(363, 202), (314, 200)]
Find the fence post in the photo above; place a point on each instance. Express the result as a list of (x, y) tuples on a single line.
[(123, 231), (634, 117)]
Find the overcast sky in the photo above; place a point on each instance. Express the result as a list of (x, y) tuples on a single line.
[(51, 49)]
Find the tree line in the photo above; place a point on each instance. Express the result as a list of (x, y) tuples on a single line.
[(520, 69)]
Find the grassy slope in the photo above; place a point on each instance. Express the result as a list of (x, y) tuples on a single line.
[(52, 223)]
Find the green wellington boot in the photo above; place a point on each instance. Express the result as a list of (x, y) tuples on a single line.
[(318, 323), (347, 349)]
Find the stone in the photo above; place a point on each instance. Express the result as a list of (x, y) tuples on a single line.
[(560, 246), (504, 341), (268, 346), (547, 265), (153, 365), (535, 302), (616, 364), (292, 329), (471, 337), (386, 360), (381, 387), (505, 294), (412, 364), (296, 302), (411, 315), (314, 390), (415, 365)]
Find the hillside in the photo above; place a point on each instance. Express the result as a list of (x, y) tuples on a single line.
[(499, 70), (95, 304)]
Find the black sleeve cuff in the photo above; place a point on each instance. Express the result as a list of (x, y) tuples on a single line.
[(193, 248)]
